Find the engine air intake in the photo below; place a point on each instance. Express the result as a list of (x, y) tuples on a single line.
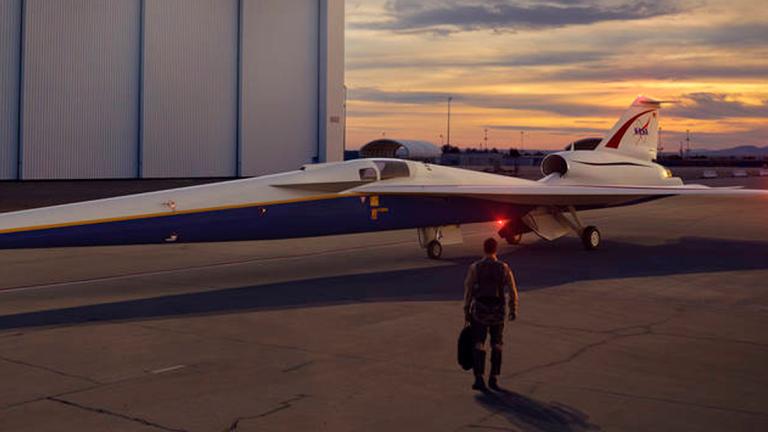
[(554, 164)]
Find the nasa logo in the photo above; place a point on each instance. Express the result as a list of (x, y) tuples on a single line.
[(643, 131)]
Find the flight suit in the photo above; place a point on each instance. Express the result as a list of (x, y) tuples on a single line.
[(486, 305)]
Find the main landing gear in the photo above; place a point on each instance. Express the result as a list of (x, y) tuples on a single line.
[(511, 232), (590, 236)]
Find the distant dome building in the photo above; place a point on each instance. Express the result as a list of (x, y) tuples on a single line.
[(402, 149)]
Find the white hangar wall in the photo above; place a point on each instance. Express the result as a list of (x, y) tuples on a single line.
[(169, 88)]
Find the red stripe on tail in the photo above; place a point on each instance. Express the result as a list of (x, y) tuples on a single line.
[(617, 137)]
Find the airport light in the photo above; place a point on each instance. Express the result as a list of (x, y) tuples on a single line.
[(450, 99)]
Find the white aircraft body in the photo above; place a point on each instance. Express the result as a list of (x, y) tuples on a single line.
[(378, 195)]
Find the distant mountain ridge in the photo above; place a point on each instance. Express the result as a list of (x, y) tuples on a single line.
[(746, 150)]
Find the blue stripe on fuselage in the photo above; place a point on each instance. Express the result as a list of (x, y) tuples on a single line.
[(347, 215)]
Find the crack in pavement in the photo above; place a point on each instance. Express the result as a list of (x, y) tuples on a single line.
[(713, 339), (617, 333), (206, 335), (114, 414), (43, 398), (47, 369), (552, 327), (298, 366), (581, 351), (282, 406)]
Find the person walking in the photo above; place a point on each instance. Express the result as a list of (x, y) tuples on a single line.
[(486, 304)]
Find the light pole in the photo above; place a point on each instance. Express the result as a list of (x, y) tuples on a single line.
[(344, 137), (450, 99)]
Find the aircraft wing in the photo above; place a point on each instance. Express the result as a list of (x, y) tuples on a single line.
[(542, 194)]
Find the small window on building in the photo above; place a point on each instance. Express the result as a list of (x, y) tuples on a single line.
[(393, 169), (368, 175)]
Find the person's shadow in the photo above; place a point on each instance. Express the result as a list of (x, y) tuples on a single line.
[(532, 415)]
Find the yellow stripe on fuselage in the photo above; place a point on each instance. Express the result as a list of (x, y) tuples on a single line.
[(175, 213)]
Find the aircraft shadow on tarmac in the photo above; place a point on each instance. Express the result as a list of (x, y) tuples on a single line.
[(536, 266), (532, 415)]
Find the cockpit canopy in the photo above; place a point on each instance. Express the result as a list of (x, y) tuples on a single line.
[(385, 170), (344, 175), (586, 144)]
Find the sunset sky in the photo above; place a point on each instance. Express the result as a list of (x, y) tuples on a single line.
[(557, 70)]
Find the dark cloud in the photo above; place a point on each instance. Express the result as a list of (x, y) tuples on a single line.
[(575, 132), (743, 34), (659, 70), (698, 106), (505, 15), (529, 102), (713, 106), (552, 58), (670, 140)]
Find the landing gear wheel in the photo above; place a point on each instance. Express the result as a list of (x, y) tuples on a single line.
[(514, 239), (434, 250), (591, 238)]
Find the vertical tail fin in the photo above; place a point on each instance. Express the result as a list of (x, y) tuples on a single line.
[(637, 132)]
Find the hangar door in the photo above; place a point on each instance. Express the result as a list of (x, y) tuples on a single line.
[(190, 88), (80, 89), (280, 69)]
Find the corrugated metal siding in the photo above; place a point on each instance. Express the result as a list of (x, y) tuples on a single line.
[(10, 42), (279, 84), (80, 108), (190, 88), (332, 92)]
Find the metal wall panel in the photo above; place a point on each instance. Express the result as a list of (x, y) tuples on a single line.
[(332, 92), (10, 43), (190, 88), (279, 118), (80, 89)]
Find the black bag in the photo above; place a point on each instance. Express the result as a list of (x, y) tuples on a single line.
[(465, 348)]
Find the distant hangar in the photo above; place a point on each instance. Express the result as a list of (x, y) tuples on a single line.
[(100, 89)]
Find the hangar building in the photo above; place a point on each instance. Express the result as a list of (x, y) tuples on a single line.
[(100, 89)]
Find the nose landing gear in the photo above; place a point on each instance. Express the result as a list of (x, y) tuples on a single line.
[(434, 238), (434, 250)]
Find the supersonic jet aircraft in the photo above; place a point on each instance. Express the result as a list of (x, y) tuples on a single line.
[(377, 195)]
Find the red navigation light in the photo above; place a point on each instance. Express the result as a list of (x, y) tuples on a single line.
[(500, 222)]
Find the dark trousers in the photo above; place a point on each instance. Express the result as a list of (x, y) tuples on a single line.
[(480, 333)]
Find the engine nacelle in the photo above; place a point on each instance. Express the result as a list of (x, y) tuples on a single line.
[(604, 168)]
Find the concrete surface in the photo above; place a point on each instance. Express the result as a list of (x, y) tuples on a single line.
[(665, 328)]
